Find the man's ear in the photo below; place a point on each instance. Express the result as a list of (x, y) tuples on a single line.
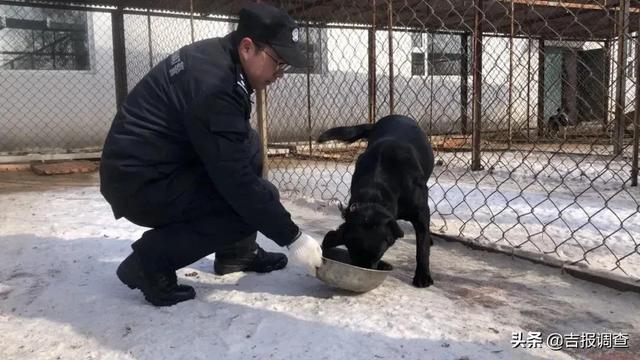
[(333, 238), (395, 229), (246, 46)]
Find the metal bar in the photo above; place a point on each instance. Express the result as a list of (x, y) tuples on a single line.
[(309, 128), (464, 84), (372, 66), (541, 92), (621, 80), (425, 29), (119, 57), (477, 85), (636, 126), (110, 9), (180, 16), (607, 86), (150, 40), (528, 22), (510, 97), (399, 29), (364, 26), (431, 95), (390, 32), (261, 110), (528, 88), (528, 36), (567, 5), (193, 32), (558, 25)]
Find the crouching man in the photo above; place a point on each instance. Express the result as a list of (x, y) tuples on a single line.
[(181, 158)]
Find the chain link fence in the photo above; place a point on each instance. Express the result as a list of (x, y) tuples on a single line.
[(56, 79), (554, 165), (530, 104)]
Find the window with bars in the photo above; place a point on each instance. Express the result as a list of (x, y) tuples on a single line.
[(44, 39), (417, 64), (445, 54), (416, 40)]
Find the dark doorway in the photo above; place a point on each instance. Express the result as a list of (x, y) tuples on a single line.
[(574, 82), (591, 87)]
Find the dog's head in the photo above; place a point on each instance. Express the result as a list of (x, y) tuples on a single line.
[(368, 231)]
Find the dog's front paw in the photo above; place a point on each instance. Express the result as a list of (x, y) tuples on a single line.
[(422, 280)]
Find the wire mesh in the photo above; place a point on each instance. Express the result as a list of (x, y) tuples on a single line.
[(550, 179), (56, 79)]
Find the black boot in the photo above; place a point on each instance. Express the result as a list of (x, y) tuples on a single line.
[(258, 261), (159, 288)]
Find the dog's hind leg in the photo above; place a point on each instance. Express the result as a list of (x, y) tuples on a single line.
[(422, 277)]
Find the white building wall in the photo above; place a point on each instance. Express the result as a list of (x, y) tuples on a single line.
[(55, 111), (59, 110), (340, 96)]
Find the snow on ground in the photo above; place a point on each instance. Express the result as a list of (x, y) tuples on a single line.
[(60, 299), (573, 207)]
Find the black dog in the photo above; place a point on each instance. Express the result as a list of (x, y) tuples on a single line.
[(557, 120), (389, 183)]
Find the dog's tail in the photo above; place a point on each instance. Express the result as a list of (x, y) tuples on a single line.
[(346, 133)]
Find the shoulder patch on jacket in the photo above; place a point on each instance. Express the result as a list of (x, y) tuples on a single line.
[(176, 65)]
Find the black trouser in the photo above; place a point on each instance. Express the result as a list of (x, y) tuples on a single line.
[(197, 223)]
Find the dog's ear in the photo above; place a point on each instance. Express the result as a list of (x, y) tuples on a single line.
[(333, 238), (395, 229)]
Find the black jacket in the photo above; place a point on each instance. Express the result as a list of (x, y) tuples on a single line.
[(189, 116)]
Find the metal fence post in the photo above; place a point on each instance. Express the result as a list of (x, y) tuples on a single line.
[(150, 39), (391, 95), (541, 90), (191, 25), (372, 65), (477, 86), (510, 100), (261, 110), (464, 83), (309, 128), (621, 80), (636, 126), (607, 84), (119, 56), (528, 87)]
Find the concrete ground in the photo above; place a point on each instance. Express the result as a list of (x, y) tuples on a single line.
[(480, 303)]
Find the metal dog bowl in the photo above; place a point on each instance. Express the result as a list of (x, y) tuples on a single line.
[(336, 270)]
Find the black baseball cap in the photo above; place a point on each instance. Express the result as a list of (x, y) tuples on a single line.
[(269, 25)]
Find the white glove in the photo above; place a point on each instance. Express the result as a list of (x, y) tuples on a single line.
[(306, 251)]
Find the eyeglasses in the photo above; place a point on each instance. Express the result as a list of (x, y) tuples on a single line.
[(280, 66)]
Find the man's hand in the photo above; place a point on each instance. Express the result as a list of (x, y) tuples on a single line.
[(306, 251)]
